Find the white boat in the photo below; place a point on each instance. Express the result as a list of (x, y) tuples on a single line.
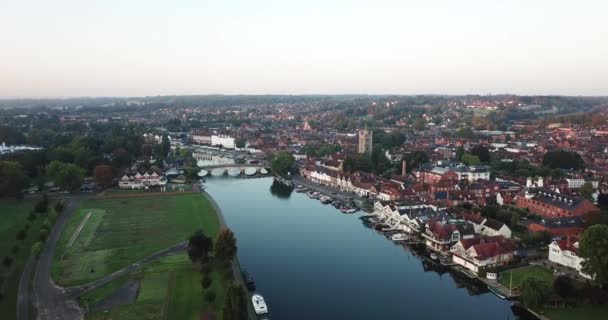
[(259, 305), (398, 237), (434, 256)]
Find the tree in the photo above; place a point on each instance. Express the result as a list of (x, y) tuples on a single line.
[(235, 303), (482, 152), (420, 124), (587, 191), (65, 175), (415, 159), (12, 179), (470, 159), (103, 175), (534, 292), (199, 246), (42, 205), (561, 159), (239, 143), (225, 246), (459, 153), (593, 248), (465, 132), (281, 162), (563, 286)]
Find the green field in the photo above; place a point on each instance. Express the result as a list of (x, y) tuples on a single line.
[(519, 275), (13, 217), (586, 312), (170, 289), (121, 231)]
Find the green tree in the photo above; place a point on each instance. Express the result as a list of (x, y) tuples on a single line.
[(235, 303), (12, 179), (482, 152), (65, 175), (225, 246), (465, 132), (281, 162), (587, 191), (561, 159), (470, 159), (534, 292), (239, 143), (199, 246), (593, 248), (563, 287), (420, 124), (459, 153)]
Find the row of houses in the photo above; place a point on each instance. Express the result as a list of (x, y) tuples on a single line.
[(141, 181)]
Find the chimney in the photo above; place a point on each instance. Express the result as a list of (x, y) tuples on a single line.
[(403, 168)]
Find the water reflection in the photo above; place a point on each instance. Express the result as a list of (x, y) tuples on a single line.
[(280, 190)]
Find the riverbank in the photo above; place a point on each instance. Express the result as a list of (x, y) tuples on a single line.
[(236, 266)]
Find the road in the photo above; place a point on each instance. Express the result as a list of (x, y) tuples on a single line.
[(23, 295), (51, 300)]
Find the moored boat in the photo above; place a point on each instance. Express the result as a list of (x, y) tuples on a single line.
[(259, 305)]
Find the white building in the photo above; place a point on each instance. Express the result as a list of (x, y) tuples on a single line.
[(565, 252), (139, 181), (226, 142), (577, 183)]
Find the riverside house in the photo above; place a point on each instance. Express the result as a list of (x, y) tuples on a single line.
[(565, 252), (481, 253), (441, 235)]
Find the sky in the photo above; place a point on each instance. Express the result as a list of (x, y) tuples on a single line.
[(75, 48)]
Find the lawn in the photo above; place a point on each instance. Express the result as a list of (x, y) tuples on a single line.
[(121, 231), (520, 274), (586, 312), (170, 289), (13, 217)]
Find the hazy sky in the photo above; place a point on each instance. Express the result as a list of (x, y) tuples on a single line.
[(60, 48)]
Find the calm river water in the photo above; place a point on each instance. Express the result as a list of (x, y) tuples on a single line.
[(310, 261)]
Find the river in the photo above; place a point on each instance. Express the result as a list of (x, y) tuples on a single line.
[(310, 261)]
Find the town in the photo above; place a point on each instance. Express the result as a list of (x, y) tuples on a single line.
[(509, 191)]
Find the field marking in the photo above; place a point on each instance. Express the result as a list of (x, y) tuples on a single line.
[(77, 232)]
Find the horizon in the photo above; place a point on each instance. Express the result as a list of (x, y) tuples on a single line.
[(67, 49)]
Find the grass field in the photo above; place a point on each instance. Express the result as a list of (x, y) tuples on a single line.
[(121, 231), (586, 312), (170, 289), (13, 217), (519, 275)]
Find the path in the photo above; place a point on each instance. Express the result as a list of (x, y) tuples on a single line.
[(51, 300), (23, 294), (80, 226), (75, 292)]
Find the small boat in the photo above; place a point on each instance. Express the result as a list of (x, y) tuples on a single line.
[(259, 305), (300, 189), (398, 237), (325, 199), (249, 282), (496, 292), (433, 256), (348, 210)]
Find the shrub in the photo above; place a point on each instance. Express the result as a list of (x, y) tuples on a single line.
[(42, 205), (43, 234), (59, 206), (7, 261), (21, 235), (210, 296), (15, 249), (31, 216), (36, 248), (206, 282), (206, 268)]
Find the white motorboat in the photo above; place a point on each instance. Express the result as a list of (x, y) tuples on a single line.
[(434, 256), (398, 237), (259, 305)]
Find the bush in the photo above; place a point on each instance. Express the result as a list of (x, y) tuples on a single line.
[(206, 268), (42, 206), (15, 249), (31, 216), (210, 296), (43, 234), (36, 248), (21, 235), (7, 261), (206, 282), (59, 206)]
